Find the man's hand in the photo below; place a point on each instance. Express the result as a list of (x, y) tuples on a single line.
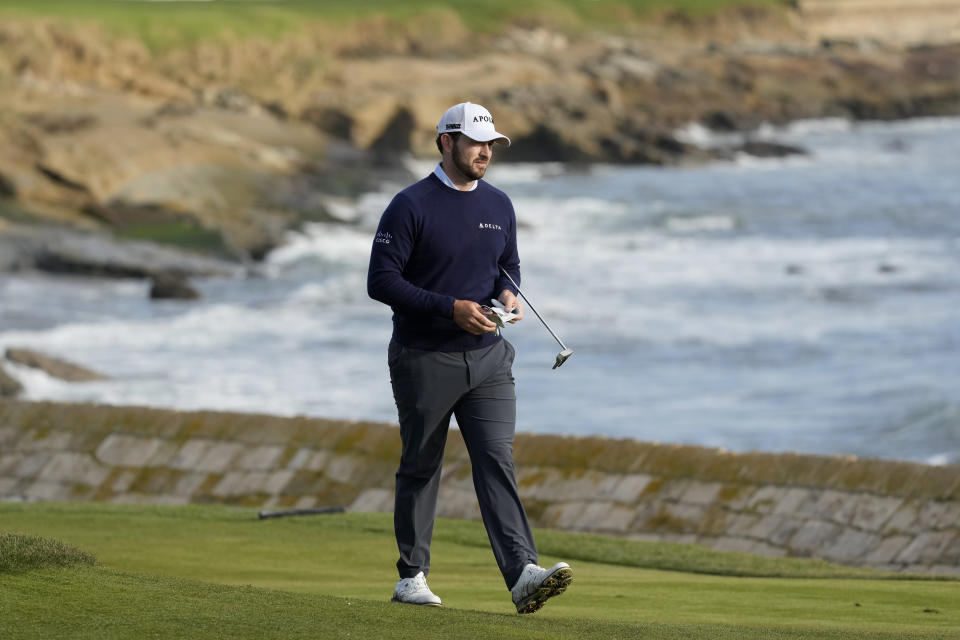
[(470, 318), (510, 303)]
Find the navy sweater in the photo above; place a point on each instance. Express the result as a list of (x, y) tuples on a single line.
[(434, 245)]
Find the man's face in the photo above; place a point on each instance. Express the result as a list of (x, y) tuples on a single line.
[(471, 157)]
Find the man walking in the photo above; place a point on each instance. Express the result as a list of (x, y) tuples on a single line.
[(436, 260)]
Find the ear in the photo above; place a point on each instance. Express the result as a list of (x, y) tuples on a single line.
[(446, 140)]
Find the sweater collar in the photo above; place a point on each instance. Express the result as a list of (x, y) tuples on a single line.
[(440, 173)]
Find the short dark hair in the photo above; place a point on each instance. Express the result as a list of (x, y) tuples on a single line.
[(453, 134)]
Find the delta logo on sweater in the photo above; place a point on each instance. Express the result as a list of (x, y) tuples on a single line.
[(487, 225)]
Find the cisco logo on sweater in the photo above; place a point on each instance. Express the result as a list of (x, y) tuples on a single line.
[(487, 225)]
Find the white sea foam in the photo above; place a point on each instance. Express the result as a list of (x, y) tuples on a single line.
[(349, 287), (800, 290), (940, 459), (700, 136), (812, 127), (912, 126), (757, 264), (419, 166), (328, 243), (697, 134), (343, 210), (522, 172), (561, 215), (37, 384), (224, 357), (697, 224)]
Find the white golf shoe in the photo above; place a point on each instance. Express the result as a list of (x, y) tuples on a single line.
[(415, 591), (537, 585)]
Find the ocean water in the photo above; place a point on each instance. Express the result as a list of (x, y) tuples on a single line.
[(800, 304)]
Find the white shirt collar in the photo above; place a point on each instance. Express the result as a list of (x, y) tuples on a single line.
[(440, 173)]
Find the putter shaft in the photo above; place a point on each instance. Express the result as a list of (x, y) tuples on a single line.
[(530, 304)]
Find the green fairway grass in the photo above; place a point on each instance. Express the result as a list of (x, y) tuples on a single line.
[(165, 24), (215, 571)]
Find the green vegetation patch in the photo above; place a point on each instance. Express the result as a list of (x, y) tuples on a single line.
[(15, 211), (163, 25), (181, 233), (25, 552)]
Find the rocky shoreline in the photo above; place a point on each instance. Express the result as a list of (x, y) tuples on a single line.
[(121, 162)]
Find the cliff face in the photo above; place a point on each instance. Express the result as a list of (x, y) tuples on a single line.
[(222, 145)]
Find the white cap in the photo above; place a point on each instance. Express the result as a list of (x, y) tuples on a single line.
[(471, 120)]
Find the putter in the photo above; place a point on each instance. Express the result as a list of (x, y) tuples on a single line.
[(563, 355)]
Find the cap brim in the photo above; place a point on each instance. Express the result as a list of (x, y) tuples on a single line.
[(488, 137)]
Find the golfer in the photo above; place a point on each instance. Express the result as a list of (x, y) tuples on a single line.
[(436, 260)]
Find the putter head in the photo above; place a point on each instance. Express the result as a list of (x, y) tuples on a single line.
[(562, 357)]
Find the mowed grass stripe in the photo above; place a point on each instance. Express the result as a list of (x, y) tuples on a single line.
[(105, 604), (324, 559)]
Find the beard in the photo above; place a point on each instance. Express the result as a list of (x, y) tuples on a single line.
[(465, 167)]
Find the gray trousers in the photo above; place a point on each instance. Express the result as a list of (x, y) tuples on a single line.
[(477, 387)]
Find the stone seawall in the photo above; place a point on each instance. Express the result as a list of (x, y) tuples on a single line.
[(885, 514)]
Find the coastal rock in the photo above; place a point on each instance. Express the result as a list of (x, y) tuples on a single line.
[(222, 146), (543, 143), (770, 149), (97, 255), (10, 387), (175, 286), (195, 175), (721, 120), (331, 120), (54, 367)]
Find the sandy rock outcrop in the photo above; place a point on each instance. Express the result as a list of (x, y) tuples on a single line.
[(148, 168)]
